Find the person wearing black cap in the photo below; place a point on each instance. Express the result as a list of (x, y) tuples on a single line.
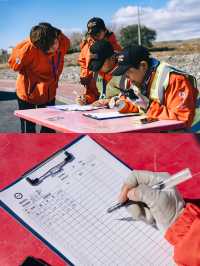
[(96, 30), (103, 60), (172, 92)]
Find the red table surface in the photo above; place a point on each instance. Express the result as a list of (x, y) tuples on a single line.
[(19, 153)]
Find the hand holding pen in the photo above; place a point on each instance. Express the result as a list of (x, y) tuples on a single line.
[(156, 200), (80, 98)]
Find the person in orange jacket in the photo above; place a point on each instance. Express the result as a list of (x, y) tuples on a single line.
[(96, 31), (39, 61), (172, 93), (103, 86), (167, 211)]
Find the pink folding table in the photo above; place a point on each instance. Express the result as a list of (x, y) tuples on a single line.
[(74, 121)]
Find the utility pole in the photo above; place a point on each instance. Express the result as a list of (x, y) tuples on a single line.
[(139, 27)]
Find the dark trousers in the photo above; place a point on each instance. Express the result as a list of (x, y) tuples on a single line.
[(30, 127)]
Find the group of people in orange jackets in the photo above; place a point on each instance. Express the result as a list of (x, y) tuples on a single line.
[(128, 79)]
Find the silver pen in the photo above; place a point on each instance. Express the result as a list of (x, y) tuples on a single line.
[(174, 180)]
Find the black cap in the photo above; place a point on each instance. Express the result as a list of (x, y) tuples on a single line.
[(95, 25), (130, 57), (100, 51)]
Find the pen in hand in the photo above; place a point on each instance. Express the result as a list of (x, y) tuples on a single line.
[(80, 99), (174, 180), (125, 204)]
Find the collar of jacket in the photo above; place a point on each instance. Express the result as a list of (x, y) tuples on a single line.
[(154, 63)]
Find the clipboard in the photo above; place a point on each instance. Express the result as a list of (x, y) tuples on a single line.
[(15, 216), (110, 115), (88, 220)]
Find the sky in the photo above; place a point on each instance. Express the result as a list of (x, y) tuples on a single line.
[(172, 19)]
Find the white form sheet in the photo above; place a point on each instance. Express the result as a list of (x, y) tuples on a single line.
[(114, 114), (69, 210), (75, 107)]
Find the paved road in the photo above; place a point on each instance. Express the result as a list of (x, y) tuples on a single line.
[(8, 121), (8, 103)]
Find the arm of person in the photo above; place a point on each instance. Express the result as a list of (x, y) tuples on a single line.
[(184, 235), (90, 95), (21, 56), (83, 61), (167, 211), (64, 43), (101, 102), (179, 101), (112, 39)]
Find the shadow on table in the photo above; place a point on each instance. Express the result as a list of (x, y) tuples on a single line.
[(197, 138), (193, 201)]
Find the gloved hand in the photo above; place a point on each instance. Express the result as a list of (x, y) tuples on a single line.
[(142, 100), (164, 206), (101, 103), (112, 102), (126, 106), (82, 100)]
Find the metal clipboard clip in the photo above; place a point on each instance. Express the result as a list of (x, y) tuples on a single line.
[(52, 171)]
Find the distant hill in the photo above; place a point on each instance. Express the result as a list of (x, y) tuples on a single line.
[(165, 48), (178, 47)]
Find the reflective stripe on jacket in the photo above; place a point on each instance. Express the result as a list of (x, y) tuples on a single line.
[(173, 94), (109, 86)]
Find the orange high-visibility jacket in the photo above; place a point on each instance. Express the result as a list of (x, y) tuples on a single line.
[(184, 235), (179, 101), (39, 72), (84, 56)]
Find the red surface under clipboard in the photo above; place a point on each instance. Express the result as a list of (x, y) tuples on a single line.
[(140, 151)]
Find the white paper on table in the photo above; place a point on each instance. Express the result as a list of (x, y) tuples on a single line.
[(69, 211), (75, 107), (109, 115)]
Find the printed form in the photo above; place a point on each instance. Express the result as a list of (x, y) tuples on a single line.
[(67, 209), (75, 107), (110, 115)]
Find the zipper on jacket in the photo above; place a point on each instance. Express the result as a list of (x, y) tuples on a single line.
[(48, 95), (32, 88)]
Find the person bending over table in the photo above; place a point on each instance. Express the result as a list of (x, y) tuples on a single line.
[(96, 31), (103, 59), (172, 93), (39, 61)]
